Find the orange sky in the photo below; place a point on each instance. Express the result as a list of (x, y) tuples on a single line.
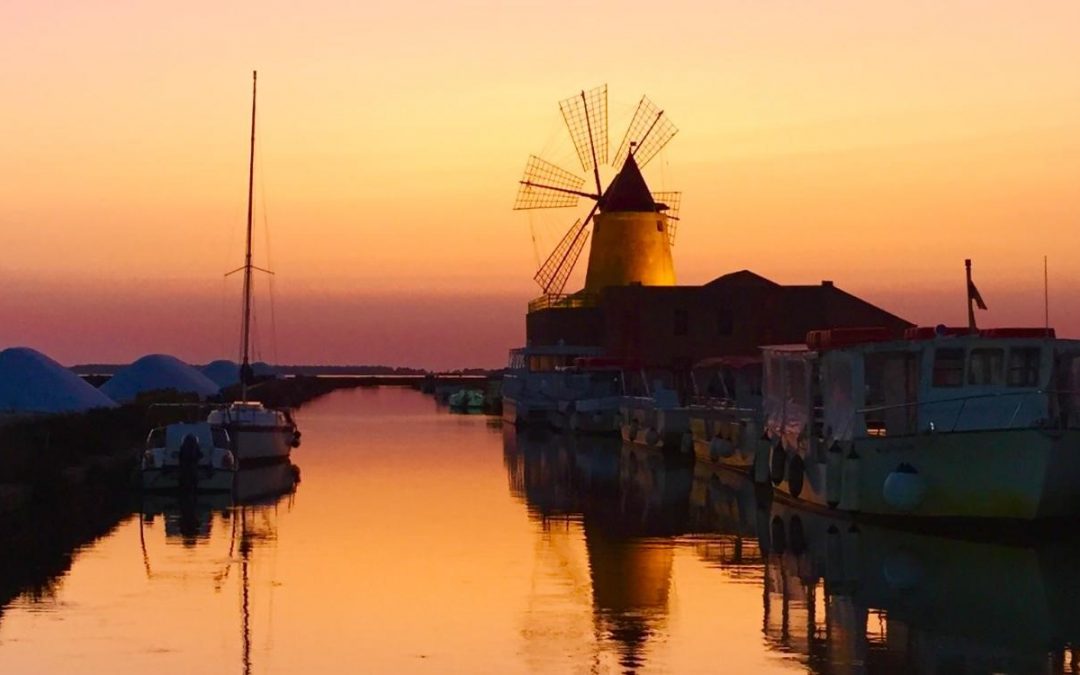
[(876, 145)]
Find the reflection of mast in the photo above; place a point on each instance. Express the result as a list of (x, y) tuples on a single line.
[(245, 590)]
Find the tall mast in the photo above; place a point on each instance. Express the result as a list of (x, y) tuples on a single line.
[(245, 368)]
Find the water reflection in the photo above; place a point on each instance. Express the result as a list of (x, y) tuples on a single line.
[(837, 596), (630, 502), (245, 521)]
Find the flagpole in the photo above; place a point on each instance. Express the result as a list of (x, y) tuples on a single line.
[(970, 307), (1046, 294)]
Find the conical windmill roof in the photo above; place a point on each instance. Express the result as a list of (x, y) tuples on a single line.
[(628, 191), (158, 372), (31, 382)]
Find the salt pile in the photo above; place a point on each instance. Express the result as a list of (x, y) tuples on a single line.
[(31, 382), (156, 372)]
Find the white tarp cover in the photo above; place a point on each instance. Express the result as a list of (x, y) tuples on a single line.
[(31, 382), (838, 387), (787, 397), (156, 372)]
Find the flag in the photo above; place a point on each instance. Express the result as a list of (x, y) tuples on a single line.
[(973, 294)]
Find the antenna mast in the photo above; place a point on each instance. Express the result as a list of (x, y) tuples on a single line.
[(245, 367)]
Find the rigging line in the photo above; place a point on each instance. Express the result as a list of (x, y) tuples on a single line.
[(269, 257)]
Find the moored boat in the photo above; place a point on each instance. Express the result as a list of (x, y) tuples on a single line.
[(531, 385), (259, 434), (188, 457), (590, 396), (724, 414), (946, 422), (652, 415)]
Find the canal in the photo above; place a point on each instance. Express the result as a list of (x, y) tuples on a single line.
[(420, 541)]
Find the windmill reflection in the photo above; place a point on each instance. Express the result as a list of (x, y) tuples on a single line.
[(231, 528), (630, 503), (837, 596)]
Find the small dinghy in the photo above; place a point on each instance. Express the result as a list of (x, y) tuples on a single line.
[(188, 457), (467, 400)]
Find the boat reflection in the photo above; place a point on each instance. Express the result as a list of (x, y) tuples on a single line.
[(837, 596), (225, 531)]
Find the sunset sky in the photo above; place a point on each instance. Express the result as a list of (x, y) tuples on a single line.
[(874, 144)]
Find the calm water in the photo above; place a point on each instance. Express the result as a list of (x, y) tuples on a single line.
[(424, 541)]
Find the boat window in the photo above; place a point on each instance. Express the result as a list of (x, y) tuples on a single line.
[(1024, 366), (948, 367), (986, 366)]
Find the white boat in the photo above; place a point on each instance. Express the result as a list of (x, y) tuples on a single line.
[(652, 415), (589, 396), (948, 423), (259, 434), (189, 457), (534, 379), (725, 412)]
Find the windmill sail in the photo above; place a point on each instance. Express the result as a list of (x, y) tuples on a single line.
[(672, 200), (649, 131), (547, 186), (554, 273), (587, 121)]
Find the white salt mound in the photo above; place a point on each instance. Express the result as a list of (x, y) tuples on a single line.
[(223, 372), (156, 372), (31, 382)]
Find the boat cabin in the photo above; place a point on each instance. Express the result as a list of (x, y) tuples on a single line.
[(847, 384), (727, 381)]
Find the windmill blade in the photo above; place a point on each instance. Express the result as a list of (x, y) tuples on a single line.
[(672, 200), (586, 119), (648, 133), (554, 273), (547, 186)]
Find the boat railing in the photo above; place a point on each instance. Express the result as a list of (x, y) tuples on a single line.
[(1021, 396), (562, 300)]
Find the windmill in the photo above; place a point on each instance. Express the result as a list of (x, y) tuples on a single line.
[(634, 228)]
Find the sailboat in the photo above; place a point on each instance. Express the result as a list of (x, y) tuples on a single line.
[(259, 434)]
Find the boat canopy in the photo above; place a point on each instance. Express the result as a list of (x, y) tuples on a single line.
[(986, 380)]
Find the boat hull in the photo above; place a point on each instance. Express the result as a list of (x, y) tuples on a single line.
[(255, 445), (521, 412), (662, 429), (726, 437), (1021, 474)]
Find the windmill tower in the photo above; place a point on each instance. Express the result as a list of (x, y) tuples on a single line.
[(633, 228)]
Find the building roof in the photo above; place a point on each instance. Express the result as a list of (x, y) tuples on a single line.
[(628, 191)]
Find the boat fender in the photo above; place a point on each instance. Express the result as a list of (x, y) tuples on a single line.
[(295, 439), (849, 481), (834, 458), (796, 472), (778, 464), (228, 460), (720, 448), (904, 488), (777, 536), (148, 461), (796, 535)]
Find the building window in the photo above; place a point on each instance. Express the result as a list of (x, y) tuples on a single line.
[(1024, 366), (948, 367), (682, 322), (986, 366), (725, 322)]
